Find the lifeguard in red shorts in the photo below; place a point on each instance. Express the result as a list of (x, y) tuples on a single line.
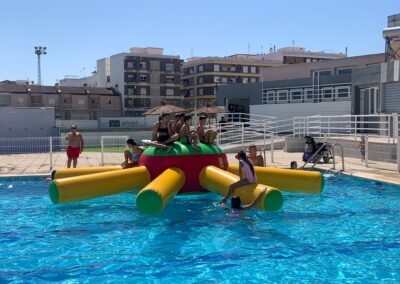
[(75, 146)]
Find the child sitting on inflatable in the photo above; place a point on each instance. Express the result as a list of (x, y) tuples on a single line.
[(162, 133), (187, 136), (208, 136), (178, 123), (247, 165), (132, 155)]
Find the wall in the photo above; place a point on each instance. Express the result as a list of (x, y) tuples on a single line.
[(20, 100), (27, 122), (104, 123), (117, 74), (103, 70), (288, 111), (137, 135)]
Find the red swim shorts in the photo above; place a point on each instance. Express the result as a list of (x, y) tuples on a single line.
[(73, 153)]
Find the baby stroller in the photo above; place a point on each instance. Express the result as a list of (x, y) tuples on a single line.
[(311, 147)]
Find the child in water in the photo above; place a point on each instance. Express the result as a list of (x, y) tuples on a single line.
[(236, 202), (248, 167)]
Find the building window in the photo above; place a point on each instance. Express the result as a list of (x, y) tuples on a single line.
[(232, 80), (143, 65), (342, 92), (52, 101), (141, 102), (245, 69), (200, 80), (200, 91), (169, 67), (296, 95), (216, 79), (36, 99), (253, 69), (327, 94), (200, 68), (109, 102), (245, 80), (282, 96), (233, 69), (131, 91), (271, 97), (224, 80), (130, 65), (143, 91), (253, 80), (216, 67), (268, 97), (143, 77), (169, 92), (308, 94), (169, 79), (108, 79), (65, 101), (131, 78), (344, 71), (321, 73)]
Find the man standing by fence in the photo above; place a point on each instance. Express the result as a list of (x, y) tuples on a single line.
[(75, 146)]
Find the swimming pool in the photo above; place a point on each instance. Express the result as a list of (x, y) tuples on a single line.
[(349, 233)]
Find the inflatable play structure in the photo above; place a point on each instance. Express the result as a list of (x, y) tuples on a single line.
[(162, 174)]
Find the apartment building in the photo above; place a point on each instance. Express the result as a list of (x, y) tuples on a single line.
[(316, 88), (145, 77), (68, 102), (296, 55), (202, 76)]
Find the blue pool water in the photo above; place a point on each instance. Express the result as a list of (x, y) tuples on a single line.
[(349, 233)]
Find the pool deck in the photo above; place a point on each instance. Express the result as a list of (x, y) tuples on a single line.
[(38, 164), (381, 171)]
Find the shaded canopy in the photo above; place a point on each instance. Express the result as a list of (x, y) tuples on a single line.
[(164, 109)]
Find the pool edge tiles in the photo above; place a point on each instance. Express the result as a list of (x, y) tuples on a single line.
[(368, 177)]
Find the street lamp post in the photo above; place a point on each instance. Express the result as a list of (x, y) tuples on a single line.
[(39, 50)]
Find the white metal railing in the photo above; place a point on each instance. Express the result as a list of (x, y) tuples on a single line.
[(384, 126), (381, 132), (41, 155)]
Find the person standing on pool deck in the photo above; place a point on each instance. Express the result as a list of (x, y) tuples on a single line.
[(75, 146), (247, 165), (257, 160)]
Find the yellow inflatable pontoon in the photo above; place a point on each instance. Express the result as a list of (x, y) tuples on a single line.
[(286, 179), (218, 181)]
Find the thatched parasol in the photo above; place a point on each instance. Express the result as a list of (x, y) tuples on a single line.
[(164, 108), (208, 109)]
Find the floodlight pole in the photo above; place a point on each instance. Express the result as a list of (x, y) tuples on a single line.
[(39, 50)]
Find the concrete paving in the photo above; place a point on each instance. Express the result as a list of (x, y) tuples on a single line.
[(39, 164)]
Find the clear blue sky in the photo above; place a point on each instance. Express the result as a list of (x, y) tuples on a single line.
[(77, 33)]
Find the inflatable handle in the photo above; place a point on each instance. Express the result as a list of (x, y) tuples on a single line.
[(153, 198)]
